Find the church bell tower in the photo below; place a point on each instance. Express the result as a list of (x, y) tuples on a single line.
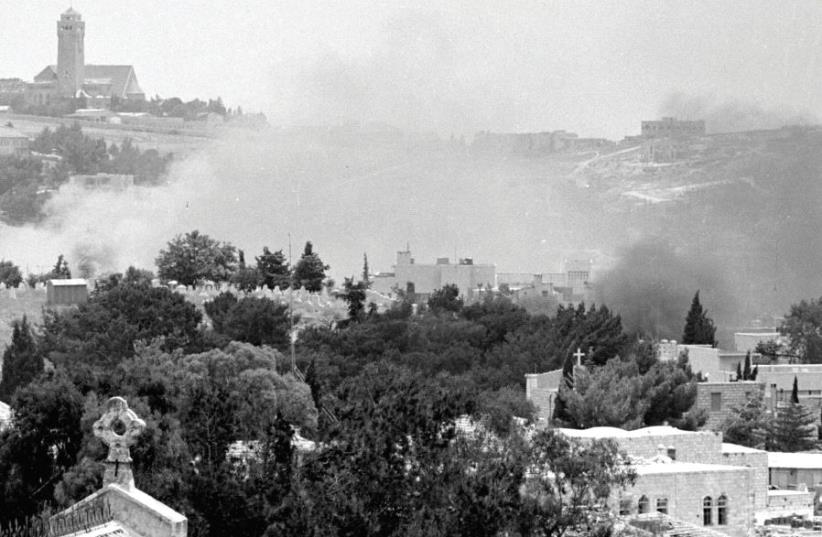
[(71, 32)]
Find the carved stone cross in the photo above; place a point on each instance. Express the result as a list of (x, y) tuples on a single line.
[(579, 355), (118, 428)]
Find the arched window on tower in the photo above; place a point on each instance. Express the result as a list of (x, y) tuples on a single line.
[(722, 510), (644, 505), (707, 511)]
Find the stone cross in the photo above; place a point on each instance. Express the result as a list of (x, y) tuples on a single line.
[(579, 355), (118, 428)]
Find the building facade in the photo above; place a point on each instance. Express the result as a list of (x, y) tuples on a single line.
[(13, 142), (669, 127), (696, 478), (422, 279), (72, 78)]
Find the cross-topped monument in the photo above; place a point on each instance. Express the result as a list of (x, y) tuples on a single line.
[(118, 428), (579, 355)]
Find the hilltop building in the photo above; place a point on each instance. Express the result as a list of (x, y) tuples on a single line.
[(669, 127), (568, 287), (533, 144), (422, 279), (103, 181), (72, 78), (13, 142)]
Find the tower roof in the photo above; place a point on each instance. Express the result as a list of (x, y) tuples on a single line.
[(70, 13)]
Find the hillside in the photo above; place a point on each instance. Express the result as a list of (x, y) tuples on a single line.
[(737, 213)]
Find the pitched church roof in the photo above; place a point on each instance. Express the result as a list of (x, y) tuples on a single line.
[(121, 79)]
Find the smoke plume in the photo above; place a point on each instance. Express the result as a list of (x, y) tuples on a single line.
[(732, 115)]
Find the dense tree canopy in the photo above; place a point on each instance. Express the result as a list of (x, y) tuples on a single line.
[(10, 274), (274, 269), (386, 399), (310, 270), (803, 327), (195, 257), (21, 361)]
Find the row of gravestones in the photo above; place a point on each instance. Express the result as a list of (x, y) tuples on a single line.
[(22, 289)]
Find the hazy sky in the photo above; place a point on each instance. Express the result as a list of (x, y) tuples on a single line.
[(592, 67)]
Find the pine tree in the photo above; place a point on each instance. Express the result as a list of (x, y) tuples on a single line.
[(793, 429), (699, 328), (21, 364), (748, 424), (310, 270)]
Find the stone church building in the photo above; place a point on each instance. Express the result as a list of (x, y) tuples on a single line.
[(72, 78)]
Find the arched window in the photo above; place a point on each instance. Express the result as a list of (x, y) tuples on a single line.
[(707, 508), (722, 510), (662, 505), (644, 504)]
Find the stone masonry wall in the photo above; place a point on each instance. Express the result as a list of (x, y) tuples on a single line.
[(759, 462), (731, 394), (541, 390), (685, 493)]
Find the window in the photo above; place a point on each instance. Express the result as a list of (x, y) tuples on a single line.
[(672, 453), (722, 510), (644, 505), (624, 507), (662, 505), (716, 401), (707, 508)]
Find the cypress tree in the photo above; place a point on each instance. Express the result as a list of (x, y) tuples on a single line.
[(746, 372), (365, 278), (21, 364), (699, 328), (565, 385), (739, 371), (795, 392)]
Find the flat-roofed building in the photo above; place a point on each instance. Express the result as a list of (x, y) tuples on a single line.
[(69, 292)]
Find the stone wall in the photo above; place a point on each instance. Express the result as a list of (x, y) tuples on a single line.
[(733, 455), (717, 398), (685, 488), (541, 389), (787, 503)]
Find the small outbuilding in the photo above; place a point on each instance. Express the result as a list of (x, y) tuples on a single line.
[(66, 292)]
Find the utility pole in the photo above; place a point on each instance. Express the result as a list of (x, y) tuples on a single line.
[(291, 336)]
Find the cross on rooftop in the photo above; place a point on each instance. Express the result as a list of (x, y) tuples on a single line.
[(579, 355)]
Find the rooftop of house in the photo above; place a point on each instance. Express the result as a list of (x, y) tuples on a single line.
[(72, 282), (614, 432), (736, 448), (676, 467), (11, 132), (806, 461)]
